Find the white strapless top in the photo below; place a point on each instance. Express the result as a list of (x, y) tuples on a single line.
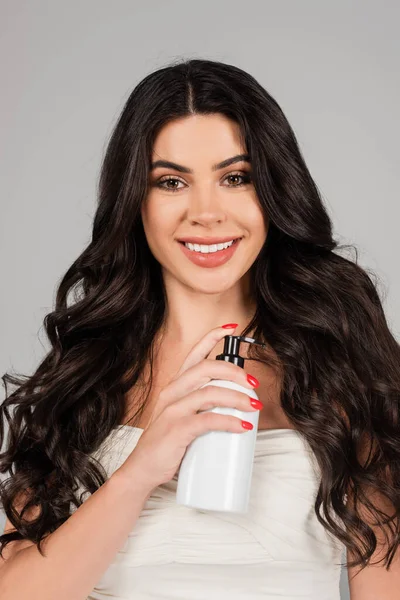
[(277, 551)]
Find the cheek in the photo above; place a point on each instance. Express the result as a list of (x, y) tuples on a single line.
[(157, 226), (256, 223), (161, 215), (264, 225), (152, 219)]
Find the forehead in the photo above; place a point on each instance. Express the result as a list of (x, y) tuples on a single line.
[(200, 138)]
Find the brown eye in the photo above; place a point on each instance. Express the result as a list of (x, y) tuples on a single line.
[(245, 177), (161, 182)]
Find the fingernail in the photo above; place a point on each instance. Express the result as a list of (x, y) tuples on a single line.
[(256, 404), (253, 381), (230, 326), (247, 425)]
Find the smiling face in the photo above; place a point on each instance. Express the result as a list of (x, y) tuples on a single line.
[(203, 195)]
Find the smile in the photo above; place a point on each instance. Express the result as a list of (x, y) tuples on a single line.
[(210, 256)]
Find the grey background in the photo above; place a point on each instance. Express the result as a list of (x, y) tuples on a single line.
[(68, 67)]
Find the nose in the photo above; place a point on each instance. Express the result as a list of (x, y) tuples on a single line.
[(205, 207)]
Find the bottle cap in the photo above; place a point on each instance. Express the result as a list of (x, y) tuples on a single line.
[(231, 351)]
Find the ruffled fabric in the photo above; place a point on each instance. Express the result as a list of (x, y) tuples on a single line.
[(278, 550)]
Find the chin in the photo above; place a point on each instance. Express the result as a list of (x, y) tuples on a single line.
[(210, 286)]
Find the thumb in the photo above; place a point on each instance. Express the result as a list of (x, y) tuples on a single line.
[(202, 349)]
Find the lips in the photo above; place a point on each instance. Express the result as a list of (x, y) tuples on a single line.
[(210, 259)]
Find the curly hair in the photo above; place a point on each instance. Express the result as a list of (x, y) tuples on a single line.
[(319, 312)]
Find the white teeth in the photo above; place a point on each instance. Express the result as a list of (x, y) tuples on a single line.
[(208, 249)]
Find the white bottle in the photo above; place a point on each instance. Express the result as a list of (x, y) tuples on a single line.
[(216, 470)]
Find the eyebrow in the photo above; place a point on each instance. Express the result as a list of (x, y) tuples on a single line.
[(225, 163)]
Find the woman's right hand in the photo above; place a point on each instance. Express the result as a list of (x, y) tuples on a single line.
[(175, 421)]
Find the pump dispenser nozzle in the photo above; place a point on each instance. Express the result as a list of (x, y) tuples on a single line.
[(231, 351)]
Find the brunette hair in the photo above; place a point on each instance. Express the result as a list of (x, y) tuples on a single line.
[(319, 312)]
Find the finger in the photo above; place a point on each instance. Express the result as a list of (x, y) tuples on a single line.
[(209, 421), (203, 348), (199, 375), (210, 397)]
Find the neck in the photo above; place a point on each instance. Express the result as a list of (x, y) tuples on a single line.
[(190, 314)]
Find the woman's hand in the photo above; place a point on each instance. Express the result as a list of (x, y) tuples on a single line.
[(176, 422)]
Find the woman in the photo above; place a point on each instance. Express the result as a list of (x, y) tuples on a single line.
[(202, 153)]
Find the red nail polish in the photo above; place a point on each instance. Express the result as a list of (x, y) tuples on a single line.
[(253, 381), (247, 425), (230, 326), (256, 403)]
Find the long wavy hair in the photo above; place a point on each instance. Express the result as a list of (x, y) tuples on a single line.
[(319, 312)]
